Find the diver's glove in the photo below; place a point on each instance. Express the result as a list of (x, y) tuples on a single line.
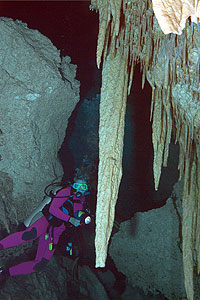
[(74, 222), (84, 217)]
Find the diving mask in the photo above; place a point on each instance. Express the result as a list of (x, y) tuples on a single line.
[(78, 186)]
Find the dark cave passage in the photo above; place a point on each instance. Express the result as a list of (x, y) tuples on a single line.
[(137, 191)]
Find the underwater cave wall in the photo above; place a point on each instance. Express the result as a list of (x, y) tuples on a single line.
[(38, 95)]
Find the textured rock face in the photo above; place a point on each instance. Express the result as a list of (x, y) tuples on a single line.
[(56, 283), (146, 249), (172, 14), (38, 94), (140, 39)]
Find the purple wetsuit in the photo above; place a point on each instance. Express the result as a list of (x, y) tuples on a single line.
[(39, 230)]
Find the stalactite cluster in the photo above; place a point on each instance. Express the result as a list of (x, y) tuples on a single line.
[(171, 64), (172, 14)]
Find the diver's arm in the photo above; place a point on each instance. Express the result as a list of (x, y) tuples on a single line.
[(57, 203), (57, 212)]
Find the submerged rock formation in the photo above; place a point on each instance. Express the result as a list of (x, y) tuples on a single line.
[(171, 64), (147, 249), (38, 95)]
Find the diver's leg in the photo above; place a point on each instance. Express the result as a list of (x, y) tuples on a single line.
[(44, 254), (28, 267), (29, 234)]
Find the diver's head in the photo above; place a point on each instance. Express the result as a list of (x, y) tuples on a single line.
[(81, 187)]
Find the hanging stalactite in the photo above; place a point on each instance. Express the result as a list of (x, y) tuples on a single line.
[(171, 65)]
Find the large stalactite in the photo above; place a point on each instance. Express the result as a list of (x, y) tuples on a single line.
[(111, 133), (129, 33)]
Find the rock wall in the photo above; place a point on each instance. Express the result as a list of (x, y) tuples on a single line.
[(38, 95), (56, 283), (147, 249)]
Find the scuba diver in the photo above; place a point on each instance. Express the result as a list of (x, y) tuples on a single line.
[(64, 207)]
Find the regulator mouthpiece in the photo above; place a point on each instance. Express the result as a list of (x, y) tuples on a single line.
[(79, 195)]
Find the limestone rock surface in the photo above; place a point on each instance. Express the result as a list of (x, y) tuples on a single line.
[(38, 94), (146, 250), (172, 14), (171, 65)]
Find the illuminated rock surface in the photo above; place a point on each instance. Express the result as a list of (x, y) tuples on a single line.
[(172, 14), (146, 249), (171, 65), (38, 94)]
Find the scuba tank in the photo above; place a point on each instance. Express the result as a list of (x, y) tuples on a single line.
[(37, 213)]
